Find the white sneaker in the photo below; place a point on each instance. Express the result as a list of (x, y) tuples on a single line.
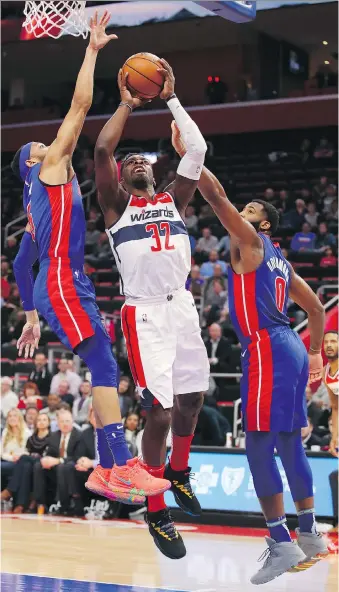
[(280, 558), (313, 545)]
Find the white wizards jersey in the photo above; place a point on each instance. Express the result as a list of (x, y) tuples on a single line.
[(332, 381), (151, 247)]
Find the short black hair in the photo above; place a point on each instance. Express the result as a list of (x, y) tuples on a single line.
[(329, 331), (126, 158), (15, 164), (272, 214)]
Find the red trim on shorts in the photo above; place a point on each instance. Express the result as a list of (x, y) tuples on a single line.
[(260, 383), (238, 303), (64, 299), (128, 345), (251, 300), (134, 345)]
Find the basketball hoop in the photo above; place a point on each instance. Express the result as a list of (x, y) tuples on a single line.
[(54, 19)]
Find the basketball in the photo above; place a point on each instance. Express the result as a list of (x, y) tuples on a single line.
[(143, 79)]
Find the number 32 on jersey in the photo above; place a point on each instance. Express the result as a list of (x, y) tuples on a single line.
[(154, 229)]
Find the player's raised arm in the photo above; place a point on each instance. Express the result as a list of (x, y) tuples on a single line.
[(191, 164), (22, 267), (111, 195), (302, 295), (214, 193), (57, 164)]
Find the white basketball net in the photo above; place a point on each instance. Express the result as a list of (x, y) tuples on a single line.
[(55, 18)]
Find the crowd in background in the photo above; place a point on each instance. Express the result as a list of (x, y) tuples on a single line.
[(48, 417)]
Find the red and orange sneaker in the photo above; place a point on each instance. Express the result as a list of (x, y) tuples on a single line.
[(98, 482), (131, 481)]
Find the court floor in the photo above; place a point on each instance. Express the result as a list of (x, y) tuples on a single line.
[(47, 554)]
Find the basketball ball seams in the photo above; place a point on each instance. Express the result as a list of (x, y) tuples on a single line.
[(144, 95), (142, 74)]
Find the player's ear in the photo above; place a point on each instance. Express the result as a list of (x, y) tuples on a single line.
[(265, 225), (30, 163)]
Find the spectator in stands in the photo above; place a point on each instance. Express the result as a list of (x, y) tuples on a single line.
[(13, 443), (314, 407), (324, 149), (332, 214), (328, 259), (31, 417), (65, 373), (206, 216), (11, 249), (132, 433), (216, 300), (191, 220), (20, 484), (218, 349), (295, 217), (312, 215), (9, 399), (92, 234), (207, 243), (207, 268), (217, 275), (84, 465), (312, 436), (195, 282), (41, 375), (14, 296), (224, 247), (12, 331), (62, 451), (53, 404), (125, 392), (269, 195), (212, 426), (81, 406), (329, 197), (324, 239), (30, 396), (64, 394), (304, 240), (5, 286), (285, 203), (319, 189)]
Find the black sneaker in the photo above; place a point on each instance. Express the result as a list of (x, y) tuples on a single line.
[(183, 492), (165, 535)]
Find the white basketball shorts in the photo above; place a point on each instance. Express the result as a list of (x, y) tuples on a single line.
[(166, 353)]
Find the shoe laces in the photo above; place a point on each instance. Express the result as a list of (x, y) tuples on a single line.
[(184, 483), (166, 524), (268, 555)]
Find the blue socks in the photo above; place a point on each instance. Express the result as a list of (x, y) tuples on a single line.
[(105, 456), (115, 437), (279, 530), (306, 519)]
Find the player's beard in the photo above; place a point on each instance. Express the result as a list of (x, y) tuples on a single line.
[(331, 357), (141, 182), (256, 225)]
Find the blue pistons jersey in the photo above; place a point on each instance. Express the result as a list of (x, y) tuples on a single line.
[(274, 360)]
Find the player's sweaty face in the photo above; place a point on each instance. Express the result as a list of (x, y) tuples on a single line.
[(138, 169), (331, 345)]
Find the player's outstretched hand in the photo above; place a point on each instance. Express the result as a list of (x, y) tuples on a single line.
[(169, 83), (29, 339), (316, 367), (177, 141), (125, 93), (98, 38)]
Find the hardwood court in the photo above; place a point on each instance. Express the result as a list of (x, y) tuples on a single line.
[(82, 555)]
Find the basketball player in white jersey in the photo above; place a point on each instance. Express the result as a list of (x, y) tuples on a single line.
[(331, 380), (159, 318)]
